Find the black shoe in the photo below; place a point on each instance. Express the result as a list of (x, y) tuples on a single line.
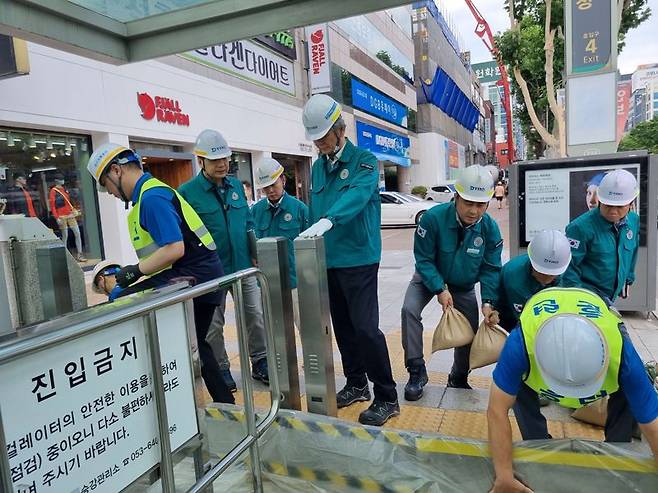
[(379, 413), (259, 371), (351, 394), (417, 380), (458, 383), (228, 380)]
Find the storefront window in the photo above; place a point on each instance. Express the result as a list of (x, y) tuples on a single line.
[(44, 175), (240, 167)]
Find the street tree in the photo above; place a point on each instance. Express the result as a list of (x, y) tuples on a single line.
[(533, 48), (644, 136)]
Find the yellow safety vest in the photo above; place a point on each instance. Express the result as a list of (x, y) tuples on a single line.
[(552, 301), (141, 239)]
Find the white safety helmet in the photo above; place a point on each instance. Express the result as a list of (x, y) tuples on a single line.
[(100, 268), (619, 187), (475, 183), (106, 154), (268, 172), (550, 252), (572, 355), (210, 144), (320, 114)]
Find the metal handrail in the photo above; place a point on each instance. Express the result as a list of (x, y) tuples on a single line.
[(51, 333)]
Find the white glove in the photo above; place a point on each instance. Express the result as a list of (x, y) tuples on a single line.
[(318, 229)]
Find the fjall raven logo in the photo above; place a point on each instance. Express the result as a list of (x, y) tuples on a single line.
[(147, 105)]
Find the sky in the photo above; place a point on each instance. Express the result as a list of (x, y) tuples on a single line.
[(641, 43)]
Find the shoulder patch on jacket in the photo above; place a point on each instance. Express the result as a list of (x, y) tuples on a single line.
[(367, 166), (421, 231), (575, 244)]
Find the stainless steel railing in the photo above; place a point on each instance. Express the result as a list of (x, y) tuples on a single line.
[(58, 331)]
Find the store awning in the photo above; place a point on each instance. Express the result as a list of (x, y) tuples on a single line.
[(121, 32)]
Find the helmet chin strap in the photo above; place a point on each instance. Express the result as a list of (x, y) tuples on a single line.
[(119, 187)]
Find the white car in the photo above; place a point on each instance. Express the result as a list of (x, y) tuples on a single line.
[(441, 193), (402, 209)]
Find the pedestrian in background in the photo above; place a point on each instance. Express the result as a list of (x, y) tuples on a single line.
[(499, 193)]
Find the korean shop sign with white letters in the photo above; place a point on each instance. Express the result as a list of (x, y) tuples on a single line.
[(249, 61), (81, 416)]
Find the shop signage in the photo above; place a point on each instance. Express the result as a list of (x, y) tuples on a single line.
[(162, 109), (281, 41), (81, 416), (385, 145), (623, 106), (486, 71), (318, 56), (248, 61), (376, 103)]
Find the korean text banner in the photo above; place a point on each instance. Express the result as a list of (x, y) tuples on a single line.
[(84, 410), (249, 61), (385, 145), (376, 103)]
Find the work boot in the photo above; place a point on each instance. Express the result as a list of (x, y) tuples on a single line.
[(417, 380), (458, 382), (259, 371), (228, 380), (379, 413), (351, 394)]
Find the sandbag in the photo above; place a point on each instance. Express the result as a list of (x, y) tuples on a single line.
[(595, 413), (453, 331), (487, 345)]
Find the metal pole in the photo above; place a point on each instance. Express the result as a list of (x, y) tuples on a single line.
[(315, 326), (254, 452), (166, 463), (273, 260), (5, 468)]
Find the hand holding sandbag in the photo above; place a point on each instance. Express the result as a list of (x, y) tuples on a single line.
[(453, 330), (487, 345)]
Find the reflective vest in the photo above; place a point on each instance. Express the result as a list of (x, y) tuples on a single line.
[(141, 239), (553, 301)]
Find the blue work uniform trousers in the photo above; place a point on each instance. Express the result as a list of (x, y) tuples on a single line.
[(355, 316), (416, 299)]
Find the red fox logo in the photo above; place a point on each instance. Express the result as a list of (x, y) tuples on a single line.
[(147, 105)]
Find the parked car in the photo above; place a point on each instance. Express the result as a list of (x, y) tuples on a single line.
[(441, 193), (402, 209)]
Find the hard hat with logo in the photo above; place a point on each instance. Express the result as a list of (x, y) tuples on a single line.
[(550, 252), (320, 113), (210, 144), (268, 172), (475, 183), (109, 153), (105, 268), (572, 354), (619, 187)]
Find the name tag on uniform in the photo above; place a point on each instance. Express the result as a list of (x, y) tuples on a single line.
[(474, 251)]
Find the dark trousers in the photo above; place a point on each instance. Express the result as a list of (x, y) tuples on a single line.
[(532, 423), (355, 316), (219, 391)]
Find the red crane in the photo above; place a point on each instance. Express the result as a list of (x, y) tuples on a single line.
[(484, 33)]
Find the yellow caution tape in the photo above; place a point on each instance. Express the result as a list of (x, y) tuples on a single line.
[(445, 446)]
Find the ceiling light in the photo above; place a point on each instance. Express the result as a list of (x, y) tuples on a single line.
[(52, 154), (49, 142)]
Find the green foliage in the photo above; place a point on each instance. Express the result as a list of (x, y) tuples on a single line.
[(644, 136), (384, 56), (419, 190), (525, 49)]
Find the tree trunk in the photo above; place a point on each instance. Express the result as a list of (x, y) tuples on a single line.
[(556, 109)]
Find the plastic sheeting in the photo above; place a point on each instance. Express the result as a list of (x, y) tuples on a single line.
[(303, 452)]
